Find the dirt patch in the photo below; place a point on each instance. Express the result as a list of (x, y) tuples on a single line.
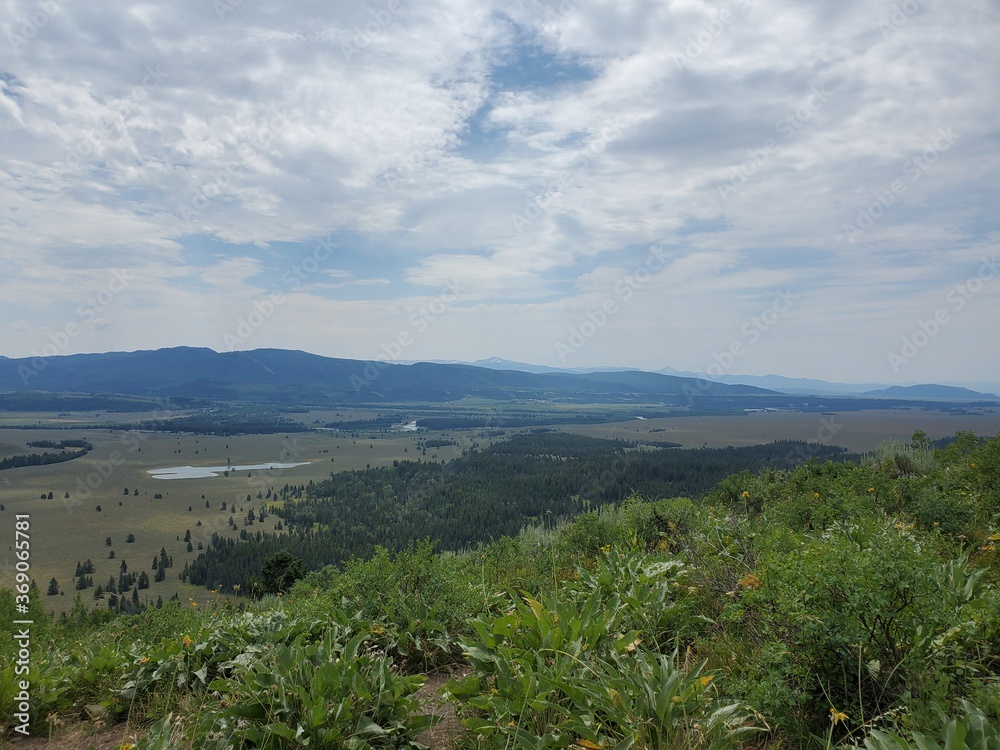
[(83, 736), (445, 734)]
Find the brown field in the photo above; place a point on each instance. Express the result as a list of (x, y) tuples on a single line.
[(857, 431)]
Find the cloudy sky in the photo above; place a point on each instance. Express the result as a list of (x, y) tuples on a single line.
[(762, 186)]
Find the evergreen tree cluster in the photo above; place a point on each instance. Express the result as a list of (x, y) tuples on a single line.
[(533, 478), (44, 459)]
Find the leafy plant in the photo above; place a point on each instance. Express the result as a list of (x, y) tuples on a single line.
[(972, 731)]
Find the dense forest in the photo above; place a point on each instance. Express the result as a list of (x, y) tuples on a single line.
[(537, 478)]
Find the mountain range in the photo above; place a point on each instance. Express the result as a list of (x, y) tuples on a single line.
[(283, 376)]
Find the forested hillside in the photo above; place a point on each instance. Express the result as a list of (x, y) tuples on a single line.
[(539, 478)]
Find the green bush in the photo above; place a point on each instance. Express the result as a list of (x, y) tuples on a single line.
[(862, 618)]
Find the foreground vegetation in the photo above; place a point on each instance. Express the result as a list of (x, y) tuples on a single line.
[(830, 605)]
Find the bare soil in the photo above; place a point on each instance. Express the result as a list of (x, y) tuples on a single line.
[(83, 736), (445, 734)]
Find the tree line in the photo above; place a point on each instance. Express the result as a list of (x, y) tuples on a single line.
[(81, 447)]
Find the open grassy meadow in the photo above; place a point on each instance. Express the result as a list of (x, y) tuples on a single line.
[(68, 528)]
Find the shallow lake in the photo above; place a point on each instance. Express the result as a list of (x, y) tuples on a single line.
[(202, 472)]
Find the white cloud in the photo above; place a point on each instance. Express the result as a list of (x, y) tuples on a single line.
[(135, 134)]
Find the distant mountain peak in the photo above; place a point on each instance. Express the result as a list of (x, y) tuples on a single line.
[(931, 391)]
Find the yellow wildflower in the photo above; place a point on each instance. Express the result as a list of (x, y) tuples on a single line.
[(745, 494), (186, 642), (838, 716), (871, 489), (705, 680)]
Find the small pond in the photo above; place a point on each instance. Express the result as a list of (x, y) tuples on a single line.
[(203, 472)]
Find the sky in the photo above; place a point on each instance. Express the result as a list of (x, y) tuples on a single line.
[(743, 186)]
